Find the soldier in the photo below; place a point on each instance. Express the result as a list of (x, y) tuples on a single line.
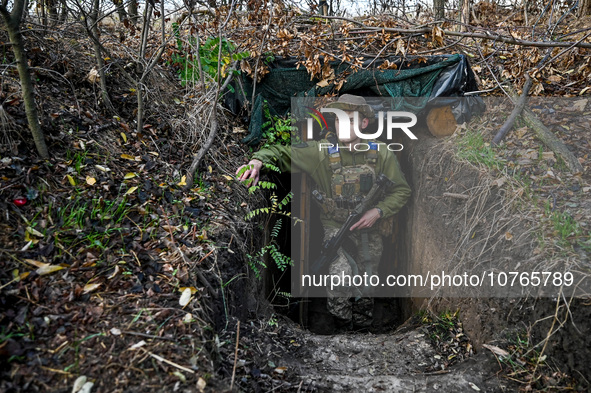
[(344, 176)]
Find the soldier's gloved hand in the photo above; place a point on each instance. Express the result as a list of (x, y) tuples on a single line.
[(253, 172), (369, 218)]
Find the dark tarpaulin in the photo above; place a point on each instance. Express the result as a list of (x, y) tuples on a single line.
[(429, 81)]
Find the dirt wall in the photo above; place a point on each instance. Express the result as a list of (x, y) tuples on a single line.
[(449, 232)]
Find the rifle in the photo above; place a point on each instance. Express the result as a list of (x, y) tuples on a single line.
[(331, 246)]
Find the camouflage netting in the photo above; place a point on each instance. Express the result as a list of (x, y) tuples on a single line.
[(427, 80)]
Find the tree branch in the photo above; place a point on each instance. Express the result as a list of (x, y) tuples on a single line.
[(516, 112)]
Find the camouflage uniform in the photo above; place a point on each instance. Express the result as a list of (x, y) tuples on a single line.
[(321, 164), (353, 304), (343, 178)]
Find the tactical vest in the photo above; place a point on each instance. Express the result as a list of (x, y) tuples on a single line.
[(349, 184)]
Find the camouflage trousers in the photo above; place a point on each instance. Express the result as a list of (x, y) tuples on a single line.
[(349, 303)]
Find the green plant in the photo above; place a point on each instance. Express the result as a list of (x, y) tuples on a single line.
[(277, 130), (209, 51), (473, 148), (77, 159), (271, 249), (565, 226), (282, 261)]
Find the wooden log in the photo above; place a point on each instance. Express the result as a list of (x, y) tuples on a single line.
[(548, 138), (441, 121), (552, 141)]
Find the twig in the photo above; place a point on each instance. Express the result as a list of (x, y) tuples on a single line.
[(212, 133), (147, 335), (484, 36), (492, 72), (453, 195), (235, 355), (563, 52), (515, 113), (161, 359)]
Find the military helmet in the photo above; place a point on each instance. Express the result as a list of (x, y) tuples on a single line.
[(350, 102)]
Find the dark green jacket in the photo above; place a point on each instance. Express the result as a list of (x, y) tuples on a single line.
[(309, 158)]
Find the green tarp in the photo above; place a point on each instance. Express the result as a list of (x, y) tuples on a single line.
[(414, 77)]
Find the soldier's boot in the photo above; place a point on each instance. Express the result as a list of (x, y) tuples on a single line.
[(362, 313)]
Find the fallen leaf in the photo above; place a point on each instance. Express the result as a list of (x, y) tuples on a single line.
[(201, 384), (185, 297), (548, 155), (71, 180), (127, 157), (90, 180), (183, 181), (90, 287), (193, 289), (87, 387), (79, 383), (580, 105), (115, 332), (180, 376), (129, 175), (34, 232), (48, 269), (138, 345), (131, 190), (93, 75), (280, 370), (124, 137), (496, 350), (323, 83), (474, 386), (508, 236), (102, 168)]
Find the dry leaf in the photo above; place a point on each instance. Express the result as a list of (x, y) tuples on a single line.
[(280, 370), (183, 181), (580, 105), (102, 168), (400, 48), (79, 383), (201, 384), (93, 75), (90, 287), (128, 157), (87, 387), (71, 180), (124, 137), (34, 232), (496, 350), (90, 180), (323, 83), (131, 190), (129, 175), (48, 269), (185, 297), (548, 155), (508, 236), (138, 345), (437, 36)]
